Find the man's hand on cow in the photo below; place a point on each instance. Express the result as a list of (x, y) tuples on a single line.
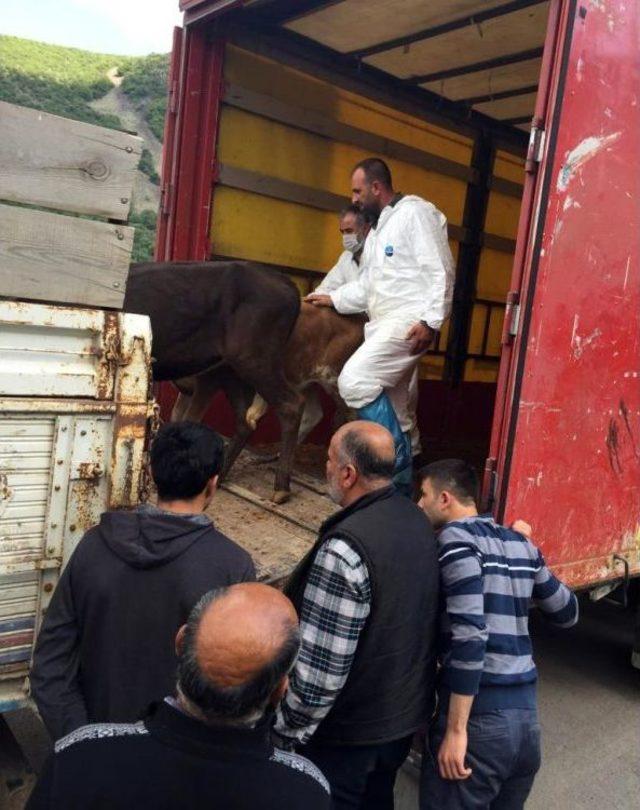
[(421, 336), (319, 300)]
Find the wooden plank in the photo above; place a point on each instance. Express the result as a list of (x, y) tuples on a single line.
[(318, 124), (57, 163), (356, 25), (454, 24), (455, 53), (50, 257), (258, 183)]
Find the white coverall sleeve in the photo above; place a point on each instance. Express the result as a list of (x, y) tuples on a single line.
[(335, 278), (352, 297), (429, 237)]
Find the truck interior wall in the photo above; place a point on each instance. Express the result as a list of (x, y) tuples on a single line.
[(286, 144)]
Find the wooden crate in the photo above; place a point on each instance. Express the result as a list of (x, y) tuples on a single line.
[(55, 163)]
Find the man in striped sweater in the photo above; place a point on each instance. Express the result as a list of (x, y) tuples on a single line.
[(485, 739)]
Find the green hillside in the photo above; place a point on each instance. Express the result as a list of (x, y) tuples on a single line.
[(64, 81), (145, 82), (57, 80)]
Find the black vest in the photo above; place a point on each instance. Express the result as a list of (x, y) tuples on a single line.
[(389, 690)]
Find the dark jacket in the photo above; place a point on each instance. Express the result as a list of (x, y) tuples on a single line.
[(389, 692), (106, 647), (170, 762)]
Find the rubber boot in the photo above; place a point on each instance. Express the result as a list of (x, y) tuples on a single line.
[(381, 411)]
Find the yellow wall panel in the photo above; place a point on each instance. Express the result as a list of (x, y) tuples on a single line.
[(480, 371), (477, 328), (255, 143), (250, 226), (509, 167), (298, 88), (431, 367), (502, 215), (494, 274)]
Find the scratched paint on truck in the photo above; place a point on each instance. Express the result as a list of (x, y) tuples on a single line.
[(575, 465), (74, 408)]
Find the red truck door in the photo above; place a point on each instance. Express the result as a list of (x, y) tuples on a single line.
[(566, 438)]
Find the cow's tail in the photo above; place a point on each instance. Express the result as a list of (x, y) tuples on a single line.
[(255, 411)]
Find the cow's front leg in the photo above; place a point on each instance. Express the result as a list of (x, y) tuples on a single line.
[(290, 414)]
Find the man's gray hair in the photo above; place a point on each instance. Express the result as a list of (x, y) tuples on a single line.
[(235, 705), (357, 212), (354, 449)]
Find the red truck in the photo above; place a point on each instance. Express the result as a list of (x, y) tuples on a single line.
[(486, 108)]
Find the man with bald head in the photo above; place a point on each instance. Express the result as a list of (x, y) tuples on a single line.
[(209, 745), (367, 597)]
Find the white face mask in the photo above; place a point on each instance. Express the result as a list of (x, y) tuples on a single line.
[(351, 242)]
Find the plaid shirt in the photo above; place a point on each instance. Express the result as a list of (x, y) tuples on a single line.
[(335, 607)]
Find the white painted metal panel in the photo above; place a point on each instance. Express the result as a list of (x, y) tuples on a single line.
[(52, 351), (27, 449), (74, 404)]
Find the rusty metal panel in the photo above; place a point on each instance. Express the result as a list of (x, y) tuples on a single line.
[(571, 462), (56, 351), (63, 460), (27, 460)]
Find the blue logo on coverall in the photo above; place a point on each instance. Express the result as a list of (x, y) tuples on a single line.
[(388, 251)]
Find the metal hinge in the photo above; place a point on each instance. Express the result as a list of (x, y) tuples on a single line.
[(511, 318), (515, 320), (166, 193), (535, 149), (489, 484), (173, 97)]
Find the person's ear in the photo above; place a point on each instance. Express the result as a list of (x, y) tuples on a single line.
[(349, 476), (445, 499), (211, 487), (179, 645), (279, 692)]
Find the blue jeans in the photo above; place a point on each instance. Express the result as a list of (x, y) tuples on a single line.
[(361, 777), (503, 752)]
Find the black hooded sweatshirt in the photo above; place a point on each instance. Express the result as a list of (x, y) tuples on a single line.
[(106, 648)]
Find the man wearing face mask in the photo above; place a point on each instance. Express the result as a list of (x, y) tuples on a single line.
[(406, 286), (354, 228)]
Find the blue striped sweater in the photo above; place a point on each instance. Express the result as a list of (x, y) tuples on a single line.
[(490, 577)]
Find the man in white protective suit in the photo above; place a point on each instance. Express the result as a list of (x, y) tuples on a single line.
[(354, 227), (406, 287)]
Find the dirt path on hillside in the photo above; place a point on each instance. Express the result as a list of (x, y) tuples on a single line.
[(145, 193)]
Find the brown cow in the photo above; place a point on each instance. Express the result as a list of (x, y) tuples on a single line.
[(229, 315), (320, 344)]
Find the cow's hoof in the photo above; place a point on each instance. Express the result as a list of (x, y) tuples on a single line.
[(280, 496)]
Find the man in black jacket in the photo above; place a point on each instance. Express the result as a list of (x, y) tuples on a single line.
[(105, 649), (209, 747), (367, 596)]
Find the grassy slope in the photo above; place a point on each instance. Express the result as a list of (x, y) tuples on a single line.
[(63, 81), (57, 80), (145, 82)]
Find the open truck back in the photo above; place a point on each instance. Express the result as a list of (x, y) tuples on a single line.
[(520, 121)]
